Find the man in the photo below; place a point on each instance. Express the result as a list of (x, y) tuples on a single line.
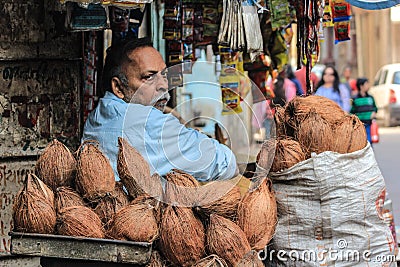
[(135, 77), (349, 82)]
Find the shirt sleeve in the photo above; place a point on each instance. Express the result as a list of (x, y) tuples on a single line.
[(345, 96), (189, 150)]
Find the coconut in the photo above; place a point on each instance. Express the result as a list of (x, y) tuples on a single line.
[(299, 107), (79, 221), (257, 215), (266, 155), (155, 203), (33, 209), (282, 128), (135, 222), (315, 134), (288, 152), (181, 188), (221, 198), (211, 261), (227, 240), (155, 260), (56, 166), (251, 259), (108, 205), (67, 197), (95, 175), (359, 135), (182, 236), (134, 172), (349, 135)]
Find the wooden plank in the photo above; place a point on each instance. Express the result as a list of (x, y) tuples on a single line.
[(80, 248), (19, 261)]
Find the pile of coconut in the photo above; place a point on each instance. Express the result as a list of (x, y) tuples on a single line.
[(307, 125), (76, 194)]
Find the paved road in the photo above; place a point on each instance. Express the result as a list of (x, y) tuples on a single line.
[(387, 154)]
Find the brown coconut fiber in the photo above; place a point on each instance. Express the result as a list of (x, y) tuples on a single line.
[(79, 221), (182, 236), (134, 172), (251, 259), (181, 189), (135, 222), (298, 108), (227, 240), (108, 205), (315, 134), (56, 166), (33, 209), (226, 202), (156, 260), (288, 153), (257, 215), (211, 261), (349, 135), (67, 197), (95, 175), (155, 203), (282, 127)]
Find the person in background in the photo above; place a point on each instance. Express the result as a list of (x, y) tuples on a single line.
[(290, 75), (135, 77), (364, 106), (330, 87), (284, 89), (301, 77), (349, 82)]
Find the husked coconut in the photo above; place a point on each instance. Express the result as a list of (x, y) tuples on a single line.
[(257, 215), (251, 259), (67, 197), (134, 172), (349, 135), (288, 153), (315, 134), (155, 260), (182, 236), (135, 222), (227, 240), (56, 166), (181, 189), (95, 175), (79, 221), (265, 157), (33, 209)]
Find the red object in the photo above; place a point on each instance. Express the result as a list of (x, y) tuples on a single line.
[(392, 97), (374, 132)]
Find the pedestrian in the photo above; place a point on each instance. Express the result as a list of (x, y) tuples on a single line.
[(364, 106), (284, 89), (330, 87), (291, 76), (301, 75), (348, 81), (136, 84)]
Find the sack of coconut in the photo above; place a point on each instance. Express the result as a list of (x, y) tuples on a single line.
[(330, 212)]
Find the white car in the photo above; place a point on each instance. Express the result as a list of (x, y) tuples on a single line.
[(386, 92)]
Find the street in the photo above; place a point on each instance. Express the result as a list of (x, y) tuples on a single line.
[(388, 160)]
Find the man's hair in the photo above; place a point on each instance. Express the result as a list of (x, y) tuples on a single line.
[(117, 56)]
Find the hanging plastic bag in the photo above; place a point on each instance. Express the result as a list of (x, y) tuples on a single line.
[(374, 132)]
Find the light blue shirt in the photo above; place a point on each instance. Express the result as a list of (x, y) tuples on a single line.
[(342, 99), (160, 138)]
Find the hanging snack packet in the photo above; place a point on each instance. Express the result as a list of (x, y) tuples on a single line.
[(341, 10), (280, 13), (327, 19), (230, 94), (342, 31)]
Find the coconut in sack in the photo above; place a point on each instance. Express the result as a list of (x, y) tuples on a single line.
[(33, 209), (56, 166), (95, 175)]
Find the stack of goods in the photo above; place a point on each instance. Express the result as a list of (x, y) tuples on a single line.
[(76, 195), (308, 125)]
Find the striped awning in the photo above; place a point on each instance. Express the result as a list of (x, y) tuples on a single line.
[(373, 4)]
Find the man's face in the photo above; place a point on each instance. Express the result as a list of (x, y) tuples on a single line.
[(147, 78)]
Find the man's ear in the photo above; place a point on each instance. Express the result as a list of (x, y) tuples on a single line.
[(117, 87)]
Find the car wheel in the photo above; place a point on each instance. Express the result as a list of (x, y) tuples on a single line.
[(387, 118)]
